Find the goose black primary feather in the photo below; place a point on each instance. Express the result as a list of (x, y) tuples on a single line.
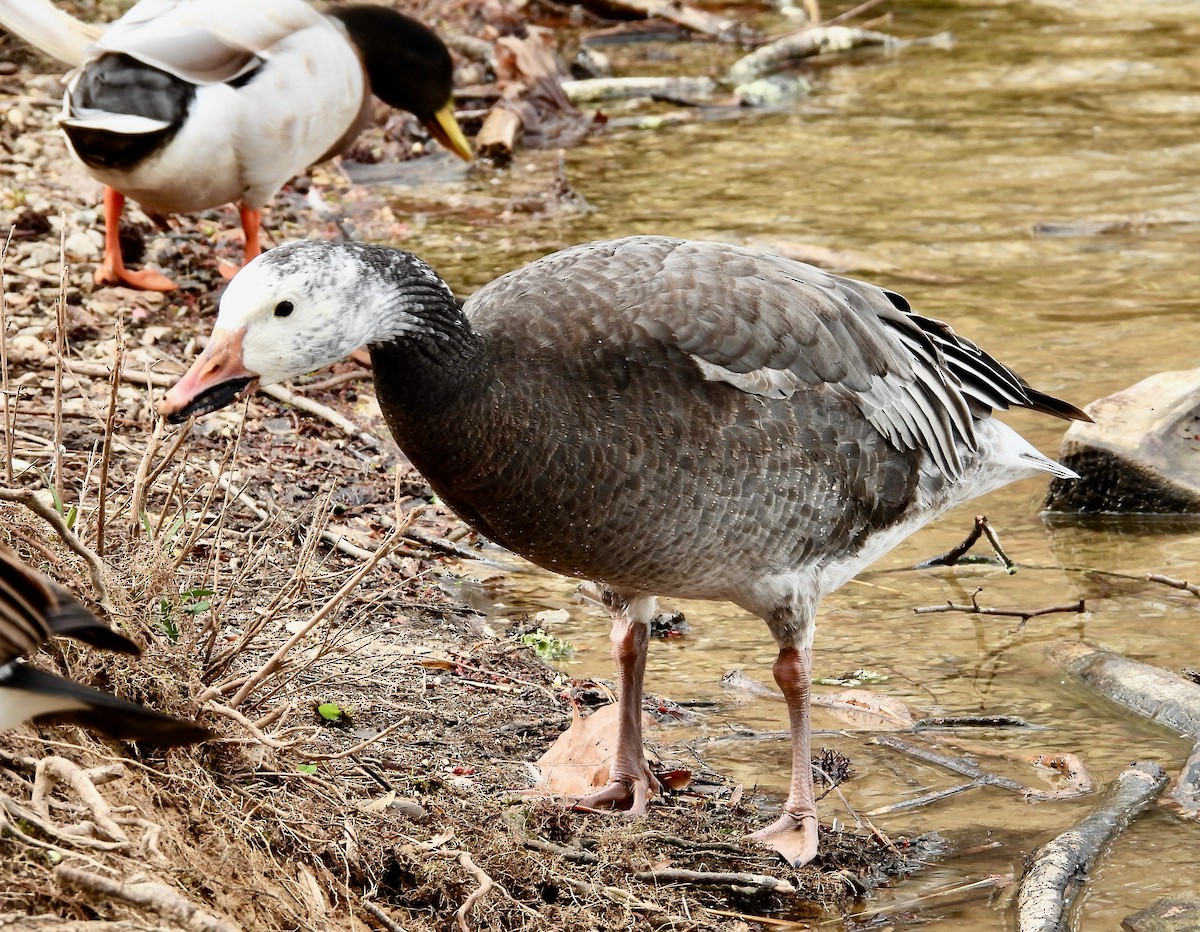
[(33, 609), (663, 417)]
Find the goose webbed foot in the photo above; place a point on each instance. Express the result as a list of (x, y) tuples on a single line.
[(793, 835), (629, 793)]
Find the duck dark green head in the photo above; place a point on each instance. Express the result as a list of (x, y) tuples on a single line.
[(408, 67)]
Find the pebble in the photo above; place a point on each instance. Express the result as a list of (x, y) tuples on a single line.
[(80, 245)]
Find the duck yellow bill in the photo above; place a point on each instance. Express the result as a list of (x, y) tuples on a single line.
[(216, 378), (445, 129)]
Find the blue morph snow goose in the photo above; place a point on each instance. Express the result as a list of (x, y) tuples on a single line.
[(33, 609), (660, 416), (184, 105)]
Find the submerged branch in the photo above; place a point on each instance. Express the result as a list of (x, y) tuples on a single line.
[(1061, 865), (1159, 695), (975, 609)]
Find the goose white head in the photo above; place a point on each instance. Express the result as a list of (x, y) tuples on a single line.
[(297, 308)]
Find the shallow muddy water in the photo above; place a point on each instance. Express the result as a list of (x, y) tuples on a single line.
[(1054, 116)]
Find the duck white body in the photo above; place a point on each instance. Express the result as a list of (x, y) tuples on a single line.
[(184, 105), (269, 129), (660, 416)]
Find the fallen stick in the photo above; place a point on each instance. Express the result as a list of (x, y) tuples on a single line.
[(733, 880), (157, 897), (819, 40), (595, 90), (956, 553), (674, 12), (1175, 583), (1159, 695), (975, 609), (1060, 866), (498, 136)]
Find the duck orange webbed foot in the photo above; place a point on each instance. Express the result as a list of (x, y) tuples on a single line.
[(143, 279), (793, 836)]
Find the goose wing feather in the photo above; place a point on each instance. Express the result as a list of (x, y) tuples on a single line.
[(768, 325)]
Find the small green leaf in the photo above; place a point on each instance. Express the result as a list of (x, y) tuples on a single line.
[(309, 769), (330, 711)]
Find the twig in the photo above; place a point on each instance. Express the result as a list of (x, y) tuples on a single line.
[(380, 916), (106, 450), (571, 854), (975, 609), (8, 436), (737, 881), (957, 764), (1175, 583), (612, 894), (60, 349), (97, 567), (1061, 865), (955, 554), (279, 393), (267, 668), (939, 898), (925, 799), (157, 897), (852, 12), (358, 748)]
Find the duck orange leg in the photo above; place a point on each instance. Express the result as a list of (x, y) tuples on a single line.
[(794, 833), (111, 270), (251, 225)]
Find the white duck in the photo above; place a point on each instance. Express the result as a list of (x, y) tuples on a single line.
[(661, 416), (184, 105)]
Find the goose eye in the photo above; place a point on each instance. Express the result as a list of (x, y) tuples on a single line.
[(284, 308)]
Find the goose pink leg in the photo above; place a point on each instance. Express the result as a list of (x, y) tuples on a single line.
[(794, 833), (630, 784)]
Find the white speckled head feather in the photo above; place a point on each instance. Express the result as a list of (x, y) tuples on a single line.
[(309, 304)]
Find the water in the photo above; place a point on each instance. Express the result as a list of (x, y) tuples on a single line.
[(945, 162)]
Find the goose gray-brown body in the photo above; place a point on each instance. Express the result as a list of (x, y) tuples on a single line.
[(32, 610), (661, 416)]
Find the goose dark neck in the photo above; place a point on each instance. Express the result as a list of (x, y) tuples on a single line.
[(431, 357)]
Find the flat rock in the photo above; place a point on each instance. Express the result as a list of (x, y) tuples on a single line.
[(1140, 455), (1165, 916)]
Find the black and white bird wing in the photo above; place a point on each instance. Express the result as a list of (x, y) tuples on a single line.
[(27, 693), (33, 609)]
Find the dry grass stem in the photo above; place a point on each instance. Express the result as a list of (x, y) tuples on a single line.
[(4, 389), (106, 452), (266, 669), (60, 349)]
